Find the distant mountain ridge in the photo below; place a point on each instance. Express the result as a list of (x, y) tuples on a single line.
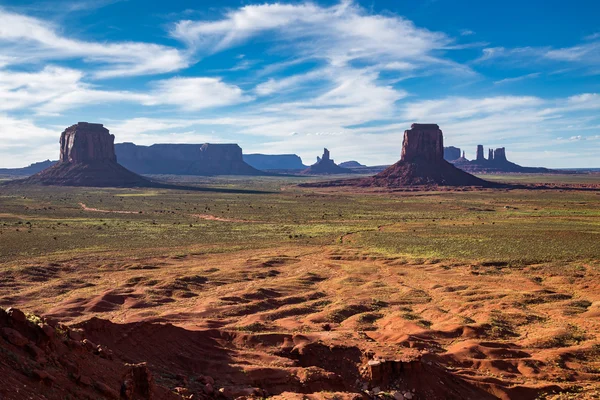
[(29, 170)]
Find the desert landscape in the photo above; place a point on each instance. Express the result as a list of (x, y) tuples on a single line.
[(406, 285), (299, 200)]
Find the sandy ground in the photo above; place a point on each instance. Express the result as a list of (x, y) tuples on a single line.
[(305, 320)]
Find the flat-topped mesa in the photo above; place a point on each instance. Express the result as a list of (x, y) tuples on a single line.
[(423, 143), (451, 153), (185, 159), (84, 143), (500, 154)]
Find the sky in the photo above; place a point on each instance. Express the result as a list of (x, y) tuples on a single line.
[(296, 76)]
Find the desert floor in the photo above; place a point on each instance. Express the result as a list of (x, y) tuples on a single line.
[(262, 284)]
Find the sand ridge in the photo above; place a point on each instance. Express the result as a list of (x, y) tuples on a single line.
[(512, 332)]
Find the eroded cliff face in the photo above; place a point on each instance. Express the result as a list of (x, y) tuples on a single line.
[(423, 143), (185, 159), (86, 143)]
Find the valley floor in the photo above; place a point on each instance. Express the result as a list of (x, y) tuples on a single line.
[(287, 292)]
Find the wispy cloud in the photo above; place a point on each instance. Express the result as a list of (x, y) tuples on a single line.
[(517, 78), (584, 56), (339, 34), (56, 89), (29, 39)]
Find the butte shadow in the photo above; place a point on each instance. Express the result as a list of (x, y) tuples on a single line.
[(422, 164)]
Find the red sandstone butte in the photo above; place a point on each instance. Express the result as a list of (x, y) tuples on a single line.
[(87, 158)]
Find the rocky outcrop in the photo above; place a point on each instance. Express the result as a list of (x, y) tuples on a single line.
[(326, 166), (274, 162), (495, 163), (42, 356), (87, 158), (185, 159), (451, 153), (422, 164)]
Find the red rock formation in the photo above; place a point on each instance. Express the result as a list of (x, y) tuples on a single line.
[(423, 143), (490, 154), (86, 143), (52, 361), (422, 164), (87, 158)]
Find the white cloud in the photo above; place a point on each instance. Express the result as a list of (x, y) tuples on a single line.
[(29, 39), (30, 142), (192, 94), (464, 107), (55, 89), (339, 34)]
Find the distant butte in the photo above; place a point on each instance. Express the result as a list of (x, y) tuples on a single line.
[(326, 166), (495, 163)]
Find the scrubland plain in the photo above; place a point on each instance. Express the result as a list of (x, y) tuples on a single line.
[(499, 290)]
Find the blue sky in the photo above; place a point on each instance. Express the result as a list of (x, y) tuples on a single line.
[(297, 76)]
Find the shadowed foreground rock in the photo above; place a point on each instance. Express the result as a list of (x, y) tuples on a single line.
[(422, 164), (43, 359), (87, 158)]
